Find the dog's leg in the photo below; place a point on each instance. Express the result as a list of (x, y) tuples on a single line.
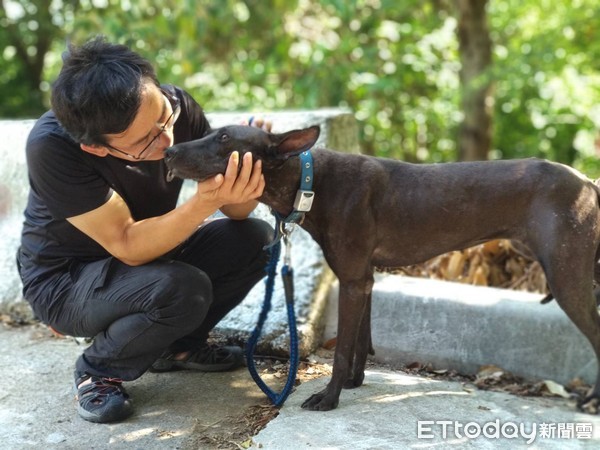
[(362, 349), (583, 312), (352, 304), (572, 285)]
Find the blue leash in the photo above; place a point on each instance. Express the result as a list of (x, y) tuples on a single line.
[(287, 274), (302, 204)]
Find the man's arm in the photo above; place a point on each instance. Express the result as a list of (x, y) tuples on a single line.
[(138, 242)]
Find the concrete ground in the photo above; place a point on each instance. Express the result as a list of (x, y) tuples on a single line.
[(173, 410), (198, 411), (393, 410)]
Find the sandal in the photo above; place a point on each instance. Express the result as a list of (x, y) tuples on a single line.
[(205, 359), (103, 400)]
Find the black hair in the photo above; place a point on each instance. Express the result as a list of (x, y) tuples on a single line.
[(98, 90)]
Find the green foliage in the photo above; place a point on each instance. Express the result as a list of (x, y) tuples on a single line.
[(27, 30), (548, 85), (395, 64)]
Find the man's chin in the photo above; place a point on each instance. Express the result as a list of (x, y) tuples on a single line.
[(156, 157)]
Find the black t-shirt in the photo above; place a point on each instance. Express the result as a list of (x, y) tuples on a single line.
[(66, 181)]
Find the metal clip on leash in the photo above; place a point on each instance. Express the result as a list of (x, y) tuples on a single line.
[(287, 256), (287, 275)]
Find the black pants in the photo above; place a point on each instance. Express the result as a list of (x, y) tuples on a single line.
[(136, 313)]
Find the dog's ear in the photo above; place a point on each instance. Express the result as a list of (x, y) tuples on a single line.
[(294, 142)]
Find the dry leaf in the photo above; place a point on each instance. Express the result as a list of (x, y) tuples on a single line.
[(480, 276), (489, 370), (496, 263), (492, 248), (455, 266), (246, 444), (556, 389), (330, 344)]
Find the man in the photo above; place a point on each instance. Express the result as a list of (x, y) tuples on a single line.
[(105, 251)]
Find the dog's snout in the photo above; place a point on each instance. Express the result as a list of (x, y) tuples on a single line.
[(169, 153)]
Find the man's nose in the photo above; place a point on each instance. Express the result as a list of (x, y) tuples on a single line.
[(165, 139)]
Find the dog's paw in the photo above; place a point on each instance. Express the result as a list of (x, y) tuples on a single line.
[(321, 401), (589, 405)]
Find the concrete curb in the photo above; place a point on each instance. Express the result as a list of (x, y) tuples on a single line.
[(462, 327)]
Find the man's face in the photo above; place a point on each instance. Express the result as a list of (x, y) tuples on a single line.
[(151, 131)]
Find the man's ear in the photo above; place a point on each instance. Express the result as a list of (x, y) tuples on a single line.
[(296, 141), (97, 150)]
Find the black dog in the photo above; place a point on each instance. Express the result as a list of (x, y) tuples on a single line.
[(370, 212)]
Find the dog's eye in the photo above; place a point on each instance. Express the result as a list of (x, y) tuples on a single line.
[(224, 137)]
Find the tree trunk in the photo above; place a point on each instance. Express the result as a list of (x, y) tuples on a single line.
[(31, 47), (475, 46)]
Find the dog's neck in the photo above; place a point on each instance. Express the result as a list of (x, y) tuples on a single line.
[(281, 185)]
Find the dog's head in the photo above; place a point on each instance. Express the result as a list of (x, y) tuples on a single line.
[(204, 158)]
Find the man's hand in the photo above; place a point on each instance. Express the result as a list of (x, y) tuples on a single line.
[(234, 188), (235, 193)]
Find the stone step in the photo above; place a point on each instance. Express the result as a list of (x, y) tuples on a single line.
[(462, 327)]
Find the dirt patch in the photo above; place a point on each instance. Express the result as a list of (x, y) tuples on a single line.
[(236, 431), (233, 432)]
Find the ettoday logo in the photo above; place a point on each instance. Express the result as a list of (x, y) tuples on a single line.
[(452, 429)]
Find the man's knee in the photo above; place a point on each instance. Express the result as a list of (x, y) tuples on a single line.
[(182, 293), (255, 232)]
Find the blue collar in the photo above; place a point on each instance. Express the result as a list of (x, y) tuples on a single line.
[(303, 201), (306, 177)]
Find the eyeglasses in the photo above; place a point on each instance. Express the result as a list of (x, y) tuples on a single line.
[(168, 125)]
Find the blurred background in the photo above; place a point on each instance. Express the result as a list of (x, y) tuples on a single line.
[(428, 80)]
